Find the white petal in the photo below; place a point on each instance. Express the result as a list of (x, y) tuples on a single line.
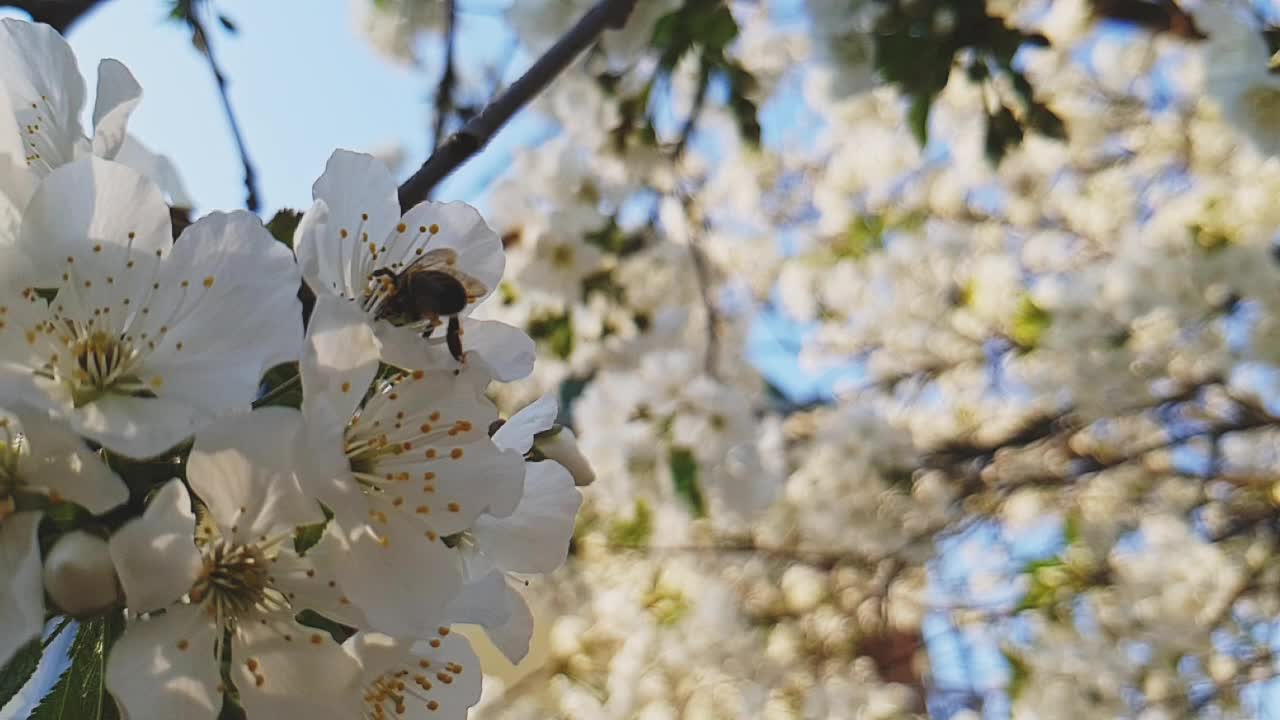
[(118, 95), (400, 578), (137, 427), (21, 593), (315, 251), (159, 168), (233, 290), (243, 469), (338, 363), (534, 538), (518, 431), (506, 352), (164, 668), (310, 581), (17, 181), (447, 463), (285, 670), (62, 464), (155, 554), (513, 636), (360, 195), (446, 665), (482, 602), (100, 214), (44, 85)]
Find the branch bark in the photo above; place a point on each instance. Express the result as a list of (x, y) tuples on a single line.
[(479, 130), (200, 38), (444, 91), (60, 14)]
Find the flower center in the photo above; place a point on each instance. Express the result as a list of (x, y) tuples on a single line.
[(102, 364), (235, 582)]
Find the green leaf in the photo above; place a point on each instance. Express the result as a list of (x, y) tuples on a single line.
[(864, 235), (554, 331), (19, 669), (283, 224), (684, 475), (633, 533), (918, 118), (337, 630), (1019, 674), (1029, 323), (80, 693)]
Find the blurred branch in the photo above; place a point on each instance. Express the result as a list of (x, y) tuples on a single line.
[(61, 14), (200, 39), (476, 133), (444, 91)]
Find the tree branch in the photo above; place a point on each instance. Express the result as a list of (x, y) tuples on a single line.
[(60, 14), (479, 130), (200, 38), (444, 91)]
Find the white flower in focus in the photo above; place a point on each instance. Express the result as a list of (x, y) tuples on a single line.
[(146, 340), (534, 539), (353, 241), (403, 469), (242, 579), (39, 457), (1237, 74), (40, 114), (434, 679), (79, 575)]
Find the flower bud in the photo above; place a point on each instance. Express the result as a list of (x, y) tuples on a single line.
[(560, 444), (79, 575)]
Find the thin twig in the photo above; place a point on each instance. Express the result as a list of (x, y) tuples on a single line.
[(479, 130), (701, 268), (60, 14), (200, 38), (444, 90)]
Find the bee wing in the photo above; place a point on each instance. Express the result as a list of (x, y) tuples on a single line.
[(475, 288), (445, 260), (438, 259)]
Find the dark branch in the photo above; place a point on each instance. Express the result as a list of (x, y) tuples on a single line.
[(61, 14), (444, 91), (200, 38), (476, 133)]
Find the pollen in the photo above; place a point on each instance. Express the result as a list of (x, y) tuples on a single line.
[(455, 453), (316, 638), (183, 645), (434, 228), (454, 507), (346, 387), (401, 227), (343, 233), (208, 282)]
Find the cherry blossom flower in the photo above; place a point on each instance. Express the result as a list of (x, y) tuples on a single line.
[(44, 95), (354, 237), (404, 467), (145, 340), (241, 578)]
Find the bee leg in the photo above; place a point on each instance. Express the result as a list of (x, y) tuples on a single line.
[(454, 338), (432, 324)]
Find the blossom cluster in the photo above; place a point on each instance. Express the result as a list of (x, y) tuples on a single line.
[(297, 555), (1056, 454)]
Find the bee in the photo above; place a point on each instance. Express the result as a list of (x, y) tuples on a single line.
[(424, 291)]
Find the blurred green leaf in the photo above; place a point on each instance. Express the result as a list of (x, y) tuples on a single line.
[(633, 533), (1029, 323), (684, 475)]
